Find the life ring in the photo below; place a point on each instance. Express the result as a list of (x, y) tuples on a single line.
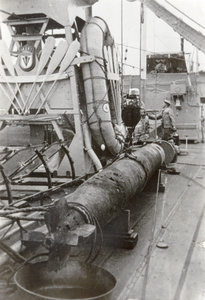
[(101, 115)]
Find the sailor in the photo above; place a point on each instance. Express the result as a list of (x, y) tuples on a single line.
[(168, 130), (131, 113), (168, 121), (134, 93), (132, 108), (141, 131)]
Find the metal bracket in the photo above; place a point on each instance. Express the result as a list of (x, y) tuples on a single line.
[(118, 232), (83, 59)]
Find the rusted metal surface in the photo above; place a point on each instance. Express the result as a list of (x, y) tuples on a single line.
[(179, 225), (109, 191), (177, 271), (98, 201)]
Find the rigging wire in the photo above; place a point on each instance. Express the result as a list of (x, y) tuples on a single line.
[(184, 14), (153, 52), (13, 15)]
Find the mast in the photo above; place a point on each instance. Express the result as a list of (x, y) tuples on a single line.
[(143, 61), (122, 73)]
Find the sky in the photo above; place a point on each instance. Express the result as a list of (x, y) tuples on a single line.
[(159, 36)]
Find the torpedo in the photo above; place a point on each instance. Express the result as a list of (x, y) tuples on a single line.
[(101, 198)]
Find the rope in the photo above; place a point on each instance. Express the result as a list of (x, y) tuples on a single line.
[(109, 89), (14, 211), (24, 218), (96, 107), (94, 77)]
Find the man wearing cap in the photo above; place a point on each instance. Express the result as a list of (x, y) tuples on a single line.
[(168, 120)]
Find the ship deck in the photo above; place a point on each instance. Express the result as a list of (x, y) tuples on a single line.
[(168, 261)]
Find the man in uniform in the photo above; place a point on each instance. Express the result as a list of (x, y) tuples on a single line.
[(131, 113), (168, 121)]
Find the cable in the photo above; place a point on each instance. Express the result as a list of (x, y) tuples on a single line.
[(13, 15), (184, 14), (154, 53), (134, 67)]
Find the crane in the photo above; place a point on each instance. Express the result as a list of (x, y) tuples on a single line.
[(192, 35)]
